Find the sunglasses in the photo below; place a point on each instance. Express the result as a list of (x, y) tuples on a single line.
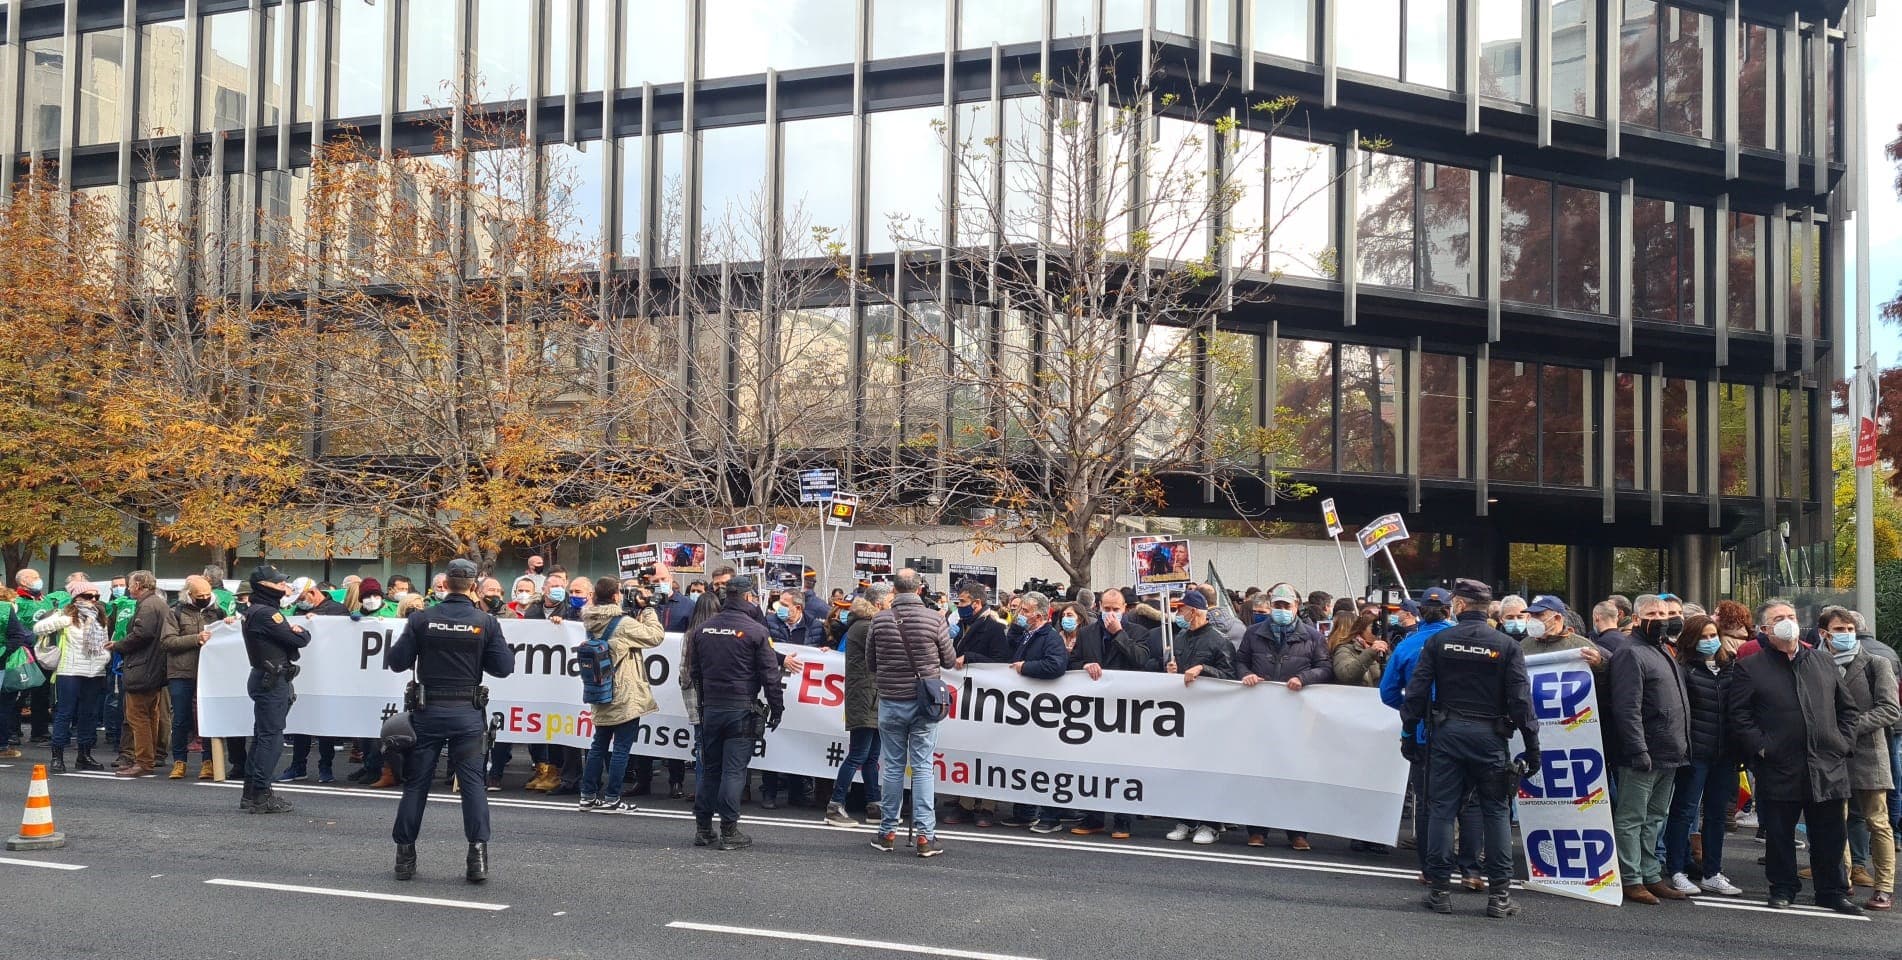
[(86, 596)]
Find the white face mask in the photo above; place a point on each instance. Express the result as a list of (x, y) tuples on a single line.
[(372, 604), (288, 602), (523, 596), (1785, 630), (1535, 627), (439, 593)]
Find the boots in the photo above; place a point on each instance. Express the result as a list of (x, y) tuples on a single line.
[(405, 861), (86, 762), (703, 833), (59, 761), (1439, 899), (732, 839), (204, 770), (1499, 903), (478, 862), (268, 802), (387, 779), (244, 799), (547, 776), (178, 770)]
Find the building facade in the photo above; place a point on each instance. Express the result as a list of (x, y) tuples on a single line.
[(1588, 296)]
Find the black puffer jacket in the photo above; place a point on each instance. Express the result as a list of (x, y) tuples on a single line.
[(1299, 652), (1707, 692)]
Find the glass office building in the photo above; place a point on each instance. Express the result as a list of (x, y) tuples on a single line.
[(1591, 296)]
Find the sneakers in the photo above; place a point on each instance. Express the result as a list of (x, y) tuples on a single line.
[(929, 847), (178, 770), (1181, 832), (837, 817), (586, 804), (1204, 835), (874, 812), (1046, 826), (1717, 883), (270, 803), (293, 775), (613, 806), (885, 842), (1683, 885), (326, 775)]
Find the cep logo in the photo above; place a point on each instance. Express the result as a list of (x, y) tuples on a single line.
[(1569, 854), (1560, 696), (1486, 652), (1565, 775), (455, 627)]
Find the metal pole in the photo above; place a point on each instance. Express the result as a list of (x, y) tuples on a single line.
[(1865, 354), (1168, 632), (1346, 577), (1396, 571)]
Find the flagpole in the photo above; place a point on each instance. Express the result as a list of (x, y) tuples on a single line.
[(1865, 355)]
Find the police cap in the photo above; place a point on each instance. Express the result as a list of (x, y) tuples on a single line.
[(461, 569), (1472, 591), (266, 573), (740, 586)]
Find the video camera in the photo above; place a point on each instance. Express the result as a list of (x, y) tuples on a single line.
[(1040, 585)]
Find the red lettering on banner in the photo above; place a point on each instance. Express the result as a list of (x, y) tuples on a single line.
[(534, 723), (960, 772), (515, 719), (817, 687), (1865, 442)]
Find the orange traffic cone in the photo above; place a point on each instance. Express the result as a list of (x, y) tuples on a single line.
[(36, 824)]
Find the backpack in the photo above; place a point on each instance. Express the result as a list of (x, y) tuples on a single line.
[(597, 665)]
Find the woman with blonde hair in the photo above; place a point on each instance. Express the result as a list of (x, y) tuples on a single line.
[(1359, 654)]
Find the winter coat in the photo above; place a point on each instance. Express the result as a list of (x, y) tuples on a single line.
[(1042, 654), (1299, 652), (981, 639), (1564, 641), (1650, 716), (145, 663), (1230, 628), (910, 642), (180, 642), (1709, 693), (1204, 647), (633, 699), (1876, 648), (1358, 666), (1794, 721), (808, 632), (861, 688), (1133, 647), (1871, 683), (77, 658)]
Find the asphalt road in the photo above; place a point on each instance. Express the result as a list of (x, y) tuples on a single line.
[(172, 870)]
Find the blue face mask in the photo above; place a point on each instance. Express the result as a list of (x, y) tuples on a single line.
[(1281, 618), (1709, 646), (845, 615), (966, 612), (1182, 622), (1021, 621), (1516, 628), (663, 589), (1259, 617), (782, 613), (557, 594), (1069, 624), (1844, 642), (1393, 619)]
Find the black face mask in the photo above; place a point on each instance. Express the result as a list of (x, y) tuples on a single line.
[(494, 604), (1674, 626), (200, 603), (1653, 630)]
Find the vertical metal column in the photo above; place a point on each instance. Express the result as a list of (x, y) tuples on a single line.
[(1346, 261)]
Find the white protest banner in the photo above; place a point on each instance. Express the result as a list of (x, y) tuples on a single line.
[(1140, 743), (1565, 806)]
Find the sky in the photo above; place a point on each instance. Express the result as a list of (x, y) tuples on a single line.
[(1884, 52)]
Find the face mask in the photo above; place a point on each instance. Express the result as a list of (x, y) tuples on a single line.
[(557, 594), (845, 615), (1514, 628), (1069, 624), (32, 588), (439, 593), (1182, 622), (1673, 626), (966, 612), (1259, 617), (372, 604), (1709, 646), (200, 603), (1024, 621), (663, 589), (1535, 628), (1281, 617), (287, 602), (493, 603), (1785, 630), (782, 613), (398, 595), (1393, 620), (118, 593), (1843, 641), (523, 596)]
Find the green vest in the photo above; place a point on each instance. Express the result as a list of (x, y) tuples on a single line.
[(121, 611), (225, 600)]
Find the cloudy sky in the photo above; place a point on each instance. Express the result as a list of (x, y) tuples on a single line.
[(1885, 215)]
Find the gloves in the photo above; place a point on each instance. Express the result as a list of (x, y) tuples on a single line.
[(1411, 749), (956, 628), (772, 720), (356, 616)]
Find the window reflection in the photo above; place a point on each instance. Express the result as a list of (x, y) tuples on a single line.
[(1525, 241), (672, 198), (1429, 47), (1445, 423), (501, 49), (428, 64), (1678, 436), (1447, 209), (1583, 242), (1370, 409), (1512, 421), (1233, 373), (1503, 27), (101, 72), (1756, 84), (1575, 56), (575, 199), (1372, 43), (40, 107), (1736, 439), (733, 219), (1638, 64), (984, 22), (1301, 209), (749, 36), (1248, 241), (1627, 445), (1178, 190), (161, 79), (1565, 426), (1304, 402), (633, 200), (356, 61), (903, 28), (1664, 248), (814, 356), (225, 70), (970, 342), (1806, 267), (1687, 74), (1165, 365), (905, 192), (655, 42), (817, 181), (1746, 306), (1385, 220), (311, 53), (1285, 28)]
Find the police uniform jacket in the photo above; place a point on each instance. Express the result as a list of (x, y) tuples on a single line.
[(268, 637), (451, 645), (1473, 672), (733, 660)]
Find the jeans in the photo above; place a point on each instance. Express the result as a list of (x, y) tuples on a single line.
[(461, 728), (185, 720), (619, 739), (861, 758), (80, 701), (300, 753), (1710, 787), (725, 750), (905, 740), (1468, 760), (1825, 822), (1872, 837)]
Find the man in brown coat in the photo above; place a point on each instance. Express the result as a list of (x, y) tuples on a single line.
[(143, 670)]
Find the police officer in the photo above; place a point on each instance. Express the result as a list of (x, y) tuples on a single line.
[(733, 663), (271, 644), (450, 646), (1471, 685)]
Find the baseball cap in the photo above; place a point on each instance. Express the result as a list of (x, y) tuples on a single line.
[(301, 584), (1546, 603), (1438, 595), (1411, 606), (1283, 591), (1472, 590), (1194, 600), (266, 573), (740, 586), (461, 569)]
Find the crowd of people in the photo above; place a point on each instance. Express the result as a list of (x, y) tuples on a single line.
[(1715, 720)]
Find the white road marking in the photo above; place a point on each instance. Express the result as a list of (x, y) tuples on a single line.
[(845, 941), (359, 894), (1813, 913), (45, 864)]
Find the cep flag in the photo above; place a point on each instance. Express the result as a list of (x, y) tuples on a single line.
[(1565, 805)]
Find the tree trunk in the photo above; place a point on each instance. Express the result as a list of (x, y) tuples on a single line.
[(16, 556)]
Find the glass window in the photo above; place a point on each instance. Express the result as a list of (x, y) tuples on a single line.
[(558, 61), (161, 79), (974, 160), (1503, 27), (922, 373), (633, 199), (1638, 64), (594, 43), (1565, 417), (1447, 208), (1178, 191), (224, 71), (655, 42), (575, 199), (732, 193), (817, 182), (1736, 439), (972, 366), (1627, 444), (1583, 239), (428, 64), (1247, 183), (1370, 410), (311, 47), (1678, 437), (1301, 209), (1165, 365), (815, 354), (1689, 44), (1285, 28), (999, 21), (878, 343), (1222, 22), (905, 195), (40, 116), (356, 62), (1575, 56), (672, 197), (101, 70), (1512, 421), (1072, 18), (1026, 201), (501, 50), (1745, 310), (276, 65), (1372, 45), (1304, 403), (1128, 15), (1806, 265), (1429, 46), (1172, 16), (1233, 376), (1385, 220), (1664, 246), (1445, 421), (784, 35), (903, 28), (1793, 448), (157, 235), (1525, 241), (1756, 85)]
